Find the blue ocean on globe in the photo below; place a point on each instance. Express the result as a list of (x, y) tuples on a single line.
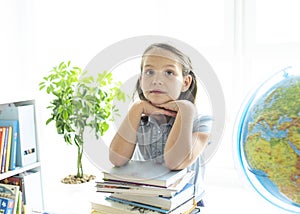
[(268, 140)]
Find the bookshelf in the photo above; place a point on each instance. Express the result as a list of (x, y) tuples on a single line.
[(27, 154), (34, 166)]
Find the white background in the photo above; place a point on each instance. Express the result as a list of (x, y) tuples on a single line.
[(244, 41)]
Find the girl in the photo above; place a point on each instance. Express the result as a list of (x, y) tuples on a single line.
[(163, 125)]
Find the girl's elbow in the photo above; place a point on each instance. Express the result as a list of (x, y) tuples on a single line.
[(176, 164), (172, 165), (117, 160)]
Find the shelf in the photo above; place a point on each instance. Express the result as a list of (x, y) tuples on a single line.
[(19, 170), (24, 112)]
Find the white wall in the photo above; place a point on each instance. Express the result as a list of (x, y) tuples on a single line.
[(37, 35)]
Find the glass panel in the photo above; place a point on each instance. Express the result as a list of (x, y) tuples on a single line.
[(201, 17), (277, 21)]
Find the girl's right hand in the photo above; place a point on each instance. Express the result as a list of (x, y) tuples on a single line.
[(148, 109)]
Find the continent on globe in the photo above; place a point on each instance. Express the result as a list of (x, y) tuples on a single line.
[(271, 139)]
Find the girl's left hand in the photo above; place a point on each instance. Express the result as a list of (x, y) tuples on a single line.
[(179, 105)]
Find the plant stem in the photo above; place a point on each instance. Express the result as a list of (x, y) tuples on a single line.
[(79, 161)]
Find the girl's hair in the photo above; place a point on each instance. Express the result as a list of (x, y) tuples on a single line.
[(187, 69)]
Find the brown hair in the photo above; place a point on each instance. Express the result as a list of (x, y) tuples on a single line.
[(187, 69)]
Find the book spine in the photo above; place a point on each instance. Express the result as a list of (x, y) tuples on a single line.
[(4, 150), (8, 150), (156, 209), (2, 144), (12, 125), (14, 142)]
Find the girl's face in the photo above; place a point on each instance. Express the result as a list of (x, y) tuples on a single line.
[(161, 79)]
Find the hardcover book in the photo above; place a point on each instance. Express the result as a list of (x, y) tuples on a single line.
[(118, 206), (14, 140), (166, 203), (10, 192), (133, 189), (6, 205), (145, 172)]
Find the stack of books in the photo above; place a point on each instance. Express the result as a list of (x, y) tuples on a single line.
[(144, 187)]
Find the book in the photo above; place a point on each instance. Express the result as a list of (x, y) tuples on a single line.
[(2, 140), (6, 205), (8, 149), (118, 206), (20, 203), (5, 151), (166, 203), (14, 180), (133, 189), (145, 172), (180, 183), (11, 192), (141, 189), (14, 141), (17, 181)]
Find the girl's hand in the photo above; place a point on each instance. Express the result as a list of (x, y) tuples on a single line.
[(149, 109), (184, 106)]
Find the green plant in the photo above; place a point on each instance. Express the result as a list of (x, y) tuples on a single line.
[(80, 101)]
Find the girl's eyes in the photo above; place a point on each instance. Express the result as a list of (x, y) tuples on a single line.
[(169, 73), (151, 72)]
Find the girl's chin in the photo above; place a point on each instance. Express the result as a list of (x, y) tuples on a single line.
[(158, 102)]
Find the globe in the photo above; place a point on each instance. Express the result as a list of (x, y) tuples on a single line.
[(268, 140)]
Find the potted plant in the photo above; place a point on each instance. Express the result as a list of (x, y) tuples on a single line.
[(80, 101)]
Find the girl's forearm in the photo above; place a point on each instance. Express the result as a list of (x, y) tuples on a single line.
[(179, 145), (123, 143)]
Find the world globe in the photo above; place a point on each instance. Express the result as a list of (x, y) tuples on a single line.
[(268, 140)]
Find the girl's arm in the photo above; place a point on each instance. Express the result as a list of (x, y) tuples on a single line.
[(183, 146), (124, 141)]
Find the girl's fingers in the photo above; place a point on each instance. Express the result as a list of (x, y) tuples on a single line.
[(172, 106), (170, 113), (165, 112)]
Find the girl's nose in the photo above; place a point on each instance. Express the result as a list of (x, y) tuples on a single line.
[(157, 80)]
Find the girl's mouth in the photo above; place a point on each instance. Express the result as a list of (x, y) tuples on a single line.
[(157, 92)]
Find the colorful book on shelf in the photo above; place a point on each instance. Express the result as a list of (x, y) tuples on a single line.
[(14, 141), (4, 149), (2, 139), (20, 204), (144, 172), (166, 203), (118, 206), (30, 188), (15, 180), (11, 192), (8, 149), (6, 205)]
